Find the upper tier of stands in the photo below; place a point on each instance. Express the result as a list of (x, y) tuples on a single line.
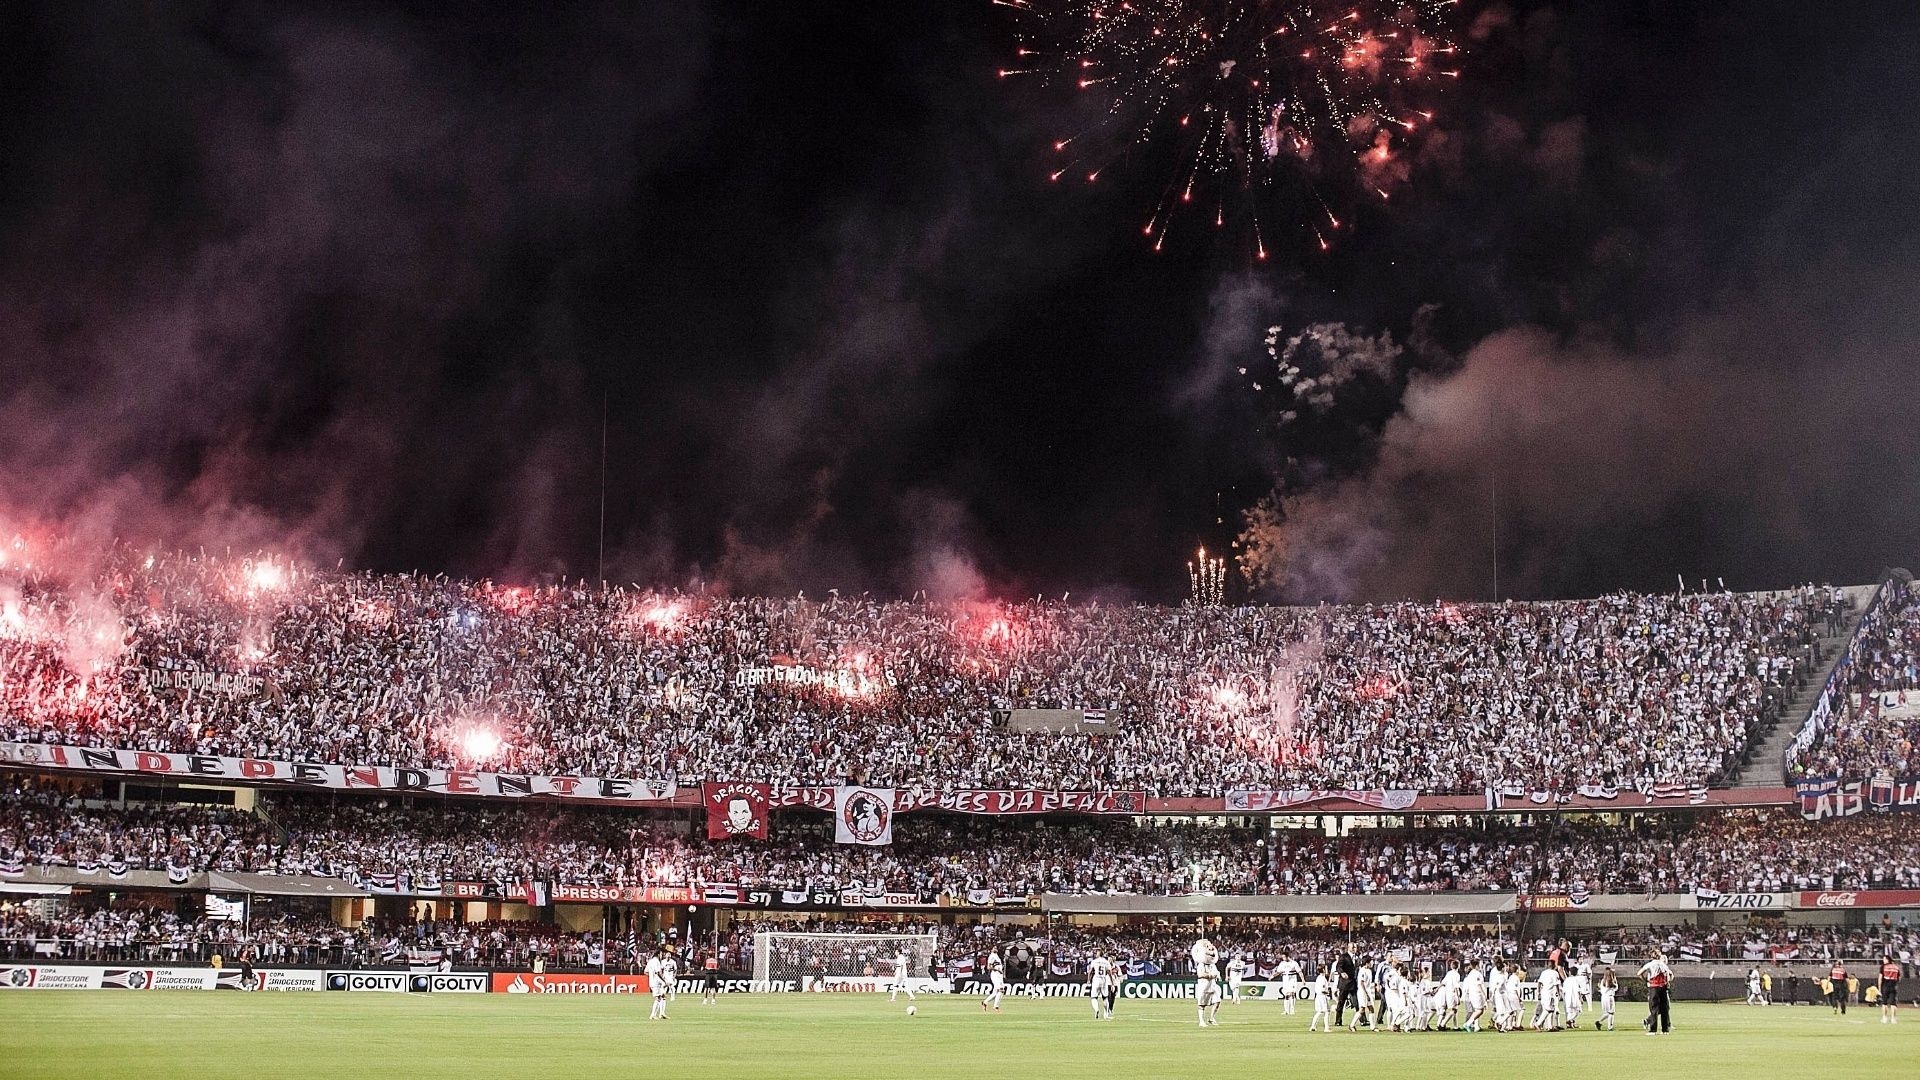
[(1869, 722), (434, 672)]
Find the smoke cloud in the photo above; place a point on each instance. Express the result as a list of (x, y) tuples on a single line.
[(1772, 428), (251, 257)]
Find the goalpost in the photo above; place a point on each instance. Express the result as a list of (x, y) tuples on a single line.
[(809, 958)]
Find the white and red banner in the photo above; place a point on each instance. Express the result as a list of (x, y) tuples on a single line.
[(625, 894), (1254, 800), (337, 777), (526, 983), (1862, 898), (736, 811), (863, 815), (978, 801)]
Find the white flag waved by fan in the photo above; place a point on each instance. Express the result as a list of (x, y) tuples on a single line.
[(863, 815)]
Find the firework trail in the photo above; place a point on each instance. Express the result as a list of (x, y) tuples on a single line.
[(1321, 99), (1306, 371)]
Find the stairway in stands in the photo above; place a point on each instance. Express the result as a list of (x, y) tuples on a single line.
[(1763, 766)]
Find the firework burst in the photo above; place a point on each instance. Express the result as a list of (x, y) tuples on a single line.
[(1324, 100)]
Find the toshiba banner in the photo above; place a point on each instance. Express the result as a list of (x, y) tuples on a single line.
[(507, 982)]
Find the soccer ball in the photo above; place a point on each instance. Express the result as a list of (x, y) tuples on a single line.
[(912, 1010)]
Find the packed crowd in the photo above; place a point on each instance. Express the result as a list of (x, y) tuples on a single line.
[(1031, 951), (1777, 941), (143, 933), (1058, 949), (43, 825), (1726, 851), (930, 858), (414, 849), (293, 663), (1868, 722)]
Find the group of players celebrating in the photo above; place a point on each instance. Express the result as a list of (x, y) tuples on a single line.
[(1385, 994)]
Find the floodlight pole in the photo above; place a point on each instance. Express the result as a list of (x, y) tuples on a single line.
[(601, 565)]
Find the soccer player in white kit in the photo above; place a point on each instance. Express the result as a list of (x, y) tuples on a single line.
[(899, 985), (1236, 976), (1609, 988), (1322, 1003), (1474, 989), (1506, 998), (1447, 1002), (1365, 994), (1420, 994), (1393, 992), (1574, 997), (996, 982), (1206, 982), (1753, 987), (1289, 983), (1546, 1010), (661, 972), (1100, 987)]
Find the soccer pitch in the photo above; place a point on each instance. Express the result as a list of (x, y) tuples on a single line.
[(156, 1035)]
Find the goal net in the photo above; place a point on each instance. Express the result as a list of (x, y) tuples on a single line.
[(810, 957)]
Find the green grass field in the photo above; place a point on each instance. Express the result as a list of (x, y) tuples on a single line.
[(153, 1036)]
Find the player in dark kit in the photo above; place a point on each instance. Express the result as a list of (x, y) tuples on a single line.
[(247, 977), (1889, 989), (1837, 993), (710, 979)]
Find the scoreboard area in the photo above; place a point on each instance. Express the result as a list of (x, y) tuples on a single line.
[(158, 1036)]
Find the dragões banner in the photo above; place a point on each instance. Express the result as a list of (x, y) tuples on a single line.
[(337, 777), (863, 815), (736, 811)]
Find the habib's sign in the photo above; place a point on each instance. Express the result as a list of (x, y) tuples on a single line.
[(389, 778)]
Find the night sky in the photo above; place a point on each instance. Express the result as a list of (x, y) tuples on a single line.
[(362, 281)]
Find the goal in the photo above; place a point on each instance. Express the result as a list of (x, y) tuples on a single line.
[(810, 957)]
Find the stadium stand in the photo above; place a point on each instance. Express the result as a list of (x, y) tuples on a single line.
[(249, 658)]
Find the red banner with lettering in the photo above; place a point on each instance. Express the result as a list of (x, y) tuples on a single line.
[(971, 801), (736, 811)]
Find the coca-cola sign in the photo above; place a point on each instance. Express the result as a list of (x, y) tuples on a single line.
[(1864, 898)]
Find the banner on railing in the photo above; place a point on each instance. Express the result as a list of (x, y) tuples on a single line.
[(1254, 800), (337, 777), (1861, 898), (131, 977), (971, 801), (1832, 797), (736, 811)]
